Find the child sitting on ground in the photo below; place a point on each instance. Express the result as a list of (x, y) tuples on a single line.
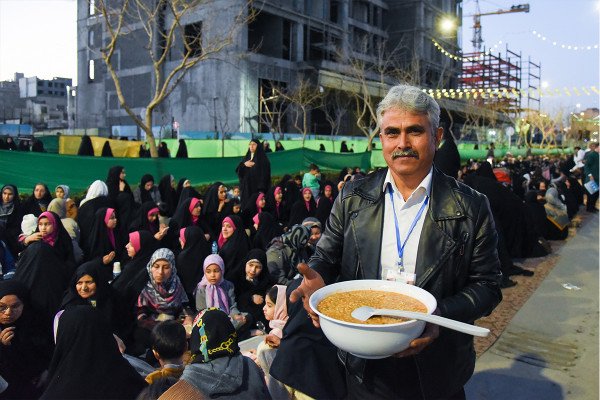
[(214, 291), (169, 345), (275, 310)]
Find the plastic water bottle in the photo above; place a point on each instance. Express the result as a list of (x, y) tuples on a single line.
[(116, 269), (215, 248)]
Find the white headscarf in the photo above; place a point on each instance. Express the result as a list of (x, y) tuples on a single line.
[(97, 189)]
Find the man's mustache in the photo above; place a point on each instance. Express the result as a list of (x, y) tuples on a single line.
[(405, 153)]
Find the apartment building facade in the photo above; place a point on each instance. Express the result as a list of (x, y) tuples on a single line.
[(287, 41)]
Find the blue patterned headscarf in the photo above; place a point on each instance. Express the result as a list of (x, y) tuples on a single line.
[(165, 297)]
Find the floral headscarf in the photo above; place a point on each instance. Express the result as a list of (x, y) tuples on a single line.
[(165, 297)]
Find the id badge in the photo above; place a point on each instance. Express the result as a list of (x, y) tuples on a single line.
[(396, 275)]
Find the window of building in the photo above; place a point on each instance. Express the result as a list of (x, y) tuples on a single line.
[(91, 38), (92, 9), (378, 17), (91, 71), (360, 11), (334, 10), (193, 38), (271, 35), (272, 117)]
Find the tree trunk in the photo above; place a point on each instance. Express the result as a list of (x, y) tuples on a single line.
[(149, 135), (151, 142)]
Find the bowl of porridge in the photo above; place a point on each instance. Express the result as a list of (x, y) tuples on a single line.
[(379, 336)]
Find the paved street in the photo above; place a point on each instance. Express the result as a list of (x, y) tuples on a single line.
[(549, 349)]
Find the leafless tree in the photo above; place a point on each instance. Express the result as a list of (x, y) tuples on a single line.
[(301, 97), (160, 24), (334, 104)]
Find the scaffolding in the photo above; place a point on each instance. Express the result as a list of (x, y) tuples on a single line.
[(498, 80)]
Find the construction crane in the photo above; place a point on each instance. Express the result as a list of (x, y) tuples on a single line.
[(477, 40)]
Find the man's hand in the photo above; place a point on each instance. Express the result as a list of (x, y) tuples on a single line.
[(311, 282), (430, 333)]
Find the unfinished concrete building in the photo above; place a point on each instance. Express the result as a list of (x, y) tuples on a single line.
[(289, 40)]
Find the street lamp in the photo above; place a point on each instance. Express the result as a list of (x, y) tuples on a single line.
[(215, 116), (447, 25)]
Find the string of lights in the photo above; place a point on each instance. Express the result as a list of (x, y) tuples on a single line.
[(564, 45), (460, 58), (509, 92)]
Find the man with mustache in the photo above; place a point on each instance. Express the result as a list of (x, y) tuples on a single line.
[(411, 223)]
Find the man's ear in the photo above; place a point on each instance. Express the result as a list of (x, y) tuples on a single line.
[(439, 135)]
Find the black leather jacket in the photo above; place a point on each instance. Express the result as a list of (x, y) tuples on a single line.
[(456, 261)]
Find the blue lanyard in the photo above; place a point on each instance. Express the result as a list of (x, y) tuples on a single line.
[(412, 226)]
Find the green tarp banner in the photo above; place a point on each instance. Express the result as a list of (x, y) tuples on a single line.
[(26, 169)]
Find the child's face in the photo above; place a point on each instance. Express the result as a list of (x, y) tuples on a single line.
[(45, 227), (60, 193), (261, 203), (279, 196), (236, 209), (236, 192), (253, 269), (269, 308), (213, 274)]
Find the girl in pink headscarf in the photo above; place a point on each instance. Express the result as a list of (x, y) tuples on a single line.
[(51, 231), (275, 310), (214, 291)]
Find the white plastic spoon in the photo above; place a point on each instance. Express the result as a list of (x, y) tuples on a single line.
[(364, 313)]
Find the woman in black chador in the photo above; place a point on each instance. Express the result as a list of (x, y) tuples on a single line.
[(254, 171)]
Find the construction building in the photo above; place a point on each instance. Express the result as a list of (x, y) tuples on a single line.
[(238, 89), (506, 81), (40, 103)]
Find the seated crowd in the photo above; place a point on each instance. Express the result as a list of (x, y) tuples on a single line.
[(162, 282)]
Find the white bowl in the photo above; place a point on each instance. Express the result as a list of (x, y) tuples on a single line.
[(372, 341)]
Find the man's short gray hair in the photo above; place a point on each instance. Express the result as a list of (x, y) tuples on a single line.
[(411, 99)]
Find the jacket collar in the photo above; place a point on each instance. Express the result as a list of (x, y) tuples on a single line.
[(443, 204)]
